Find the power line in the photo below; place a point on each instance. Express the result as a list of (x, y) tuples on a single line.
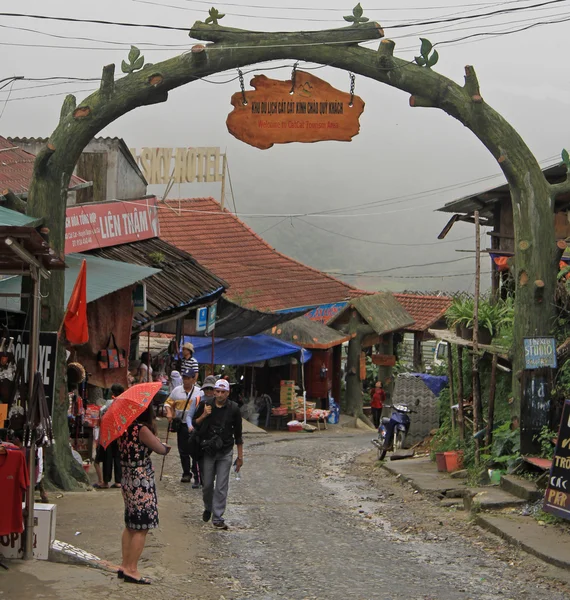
[(378, 272), (247, 33)]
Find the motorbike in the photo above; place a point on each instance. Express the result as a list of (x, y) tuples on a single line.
[(393, 430)]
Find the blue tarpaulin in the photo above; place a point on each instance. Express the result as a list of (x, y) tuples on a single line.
[(434, 382), (244, 350)]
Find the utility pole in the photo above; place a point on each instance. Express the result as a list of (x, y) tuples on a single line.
[(476, 383)]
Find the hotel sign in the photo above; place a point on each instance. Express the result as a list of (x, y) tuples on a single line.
[(89, 226), (182, 165)]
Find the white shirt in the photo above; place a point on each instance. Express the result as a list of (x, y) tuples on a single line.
[(178, 398)]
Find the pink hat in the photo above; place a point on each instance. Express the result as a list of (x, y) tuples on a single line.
[(222, 384)]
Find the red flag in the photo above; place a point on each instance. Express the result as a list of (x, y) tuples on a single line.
[(75, 320)]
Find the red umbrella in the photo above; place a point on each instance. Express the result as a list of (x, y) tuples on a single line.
[(125, 409)]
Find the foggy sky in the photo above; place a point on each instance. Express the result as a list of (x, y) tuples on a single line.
[(400, 152)]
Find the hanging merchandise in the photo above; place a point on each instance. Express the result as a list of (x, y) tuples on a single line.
[(17, 399), (112, 357), (14, 482), (39, 425)]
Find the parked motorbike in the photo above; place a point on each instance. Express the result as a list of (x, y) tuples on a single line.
[(393, 430)]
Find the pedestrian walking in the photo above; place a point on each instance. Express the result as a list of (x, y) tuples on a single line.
[(207, 392), (177, 406), (108, 460), (188, 361), (377, 403), (220, 427)]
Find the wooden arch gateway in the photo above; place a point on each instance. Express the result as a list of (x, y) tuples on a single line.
[(229, 48)]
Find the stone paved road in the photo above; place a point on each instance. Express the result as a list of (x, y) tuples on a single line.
[(304, 529), (305, 525)]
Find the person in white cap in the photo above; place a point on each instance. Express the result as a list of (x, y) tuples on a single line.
[(219, 423)]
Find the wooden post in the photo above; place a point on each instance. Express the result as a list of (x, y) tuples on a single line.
[(475, 386), (223, 192), (418, 359), (460, 418), (491, 414), (451, 383)]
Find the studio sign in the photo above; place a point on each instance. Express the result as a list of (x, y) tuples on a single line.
[(314, 112)]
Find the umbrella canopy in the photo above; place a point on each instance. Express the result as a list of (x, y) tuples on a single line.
[(125, 409)]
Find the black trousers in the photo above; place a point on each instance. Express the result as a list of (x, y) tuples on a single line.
[(376, 416), (112, 460), (182, 439)]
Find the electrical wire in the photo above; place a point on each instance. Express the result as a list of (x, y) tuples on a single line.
[(378, 272)]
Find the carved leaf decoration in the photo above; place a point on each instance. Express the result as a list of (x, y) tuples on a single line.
[(425, 47), (356, 17), (433, 59), (134, 54), (420, 61), (125, 68), (566, 158), (214, 17)]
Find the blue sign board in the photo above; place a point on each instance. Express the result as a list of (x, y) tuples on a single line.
[(325, 312), (539, 352), (212, 312), (201, 318)]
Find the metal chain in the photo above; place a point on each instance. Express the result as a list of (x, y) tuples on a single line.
[(352, 84), (293, 78), (240, 76)]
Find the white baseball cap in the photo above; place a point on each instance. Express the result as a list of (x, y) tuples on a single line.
[(222, 384)]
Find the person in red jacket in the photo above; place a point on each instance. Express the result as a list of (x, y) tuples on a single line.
[(377, 403)]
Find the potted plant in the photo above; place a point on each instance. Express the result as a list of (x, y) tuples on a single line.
[(460, 316)]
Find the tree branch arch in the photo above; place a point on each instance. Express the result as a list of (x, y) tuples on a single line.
[(532, 196)]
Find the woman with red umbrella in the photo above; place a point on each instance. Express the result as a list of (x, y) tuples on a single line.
[(131, 419)]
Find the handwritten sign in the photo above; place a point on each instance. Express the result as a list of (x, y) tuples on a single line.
[(557, 496), (536, 388), (539, 352), (313, 112)]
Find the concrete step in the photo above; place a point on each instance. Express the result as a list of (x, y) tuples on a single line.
[(491, 498), (521, 488), (452, 503)]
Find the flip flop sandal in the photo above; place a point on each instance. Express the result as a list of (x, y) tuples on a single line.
[(98, 486), (116, 486), (141, 581)]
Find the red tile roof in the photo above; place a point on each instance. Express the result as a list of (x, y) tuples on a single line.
[(425, 310), (259, 276), (17, 167)]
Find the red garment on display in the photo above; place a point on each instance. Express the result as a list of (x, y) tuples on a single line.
[(378, 398), (13, 482)]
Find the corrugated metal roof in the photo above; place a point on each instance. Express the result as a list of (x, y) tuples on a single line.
[(103, 277), (381, 311), (181, 283), (238, 321), (308, 334), (11, 218), (17, 167)]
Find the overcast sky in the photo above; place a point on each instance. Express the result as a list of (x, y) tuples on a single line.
[(408, 161)]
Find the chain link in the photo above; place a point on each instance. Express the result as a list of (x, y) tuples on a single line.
[(293, 78), (242, 85), (352, 85)]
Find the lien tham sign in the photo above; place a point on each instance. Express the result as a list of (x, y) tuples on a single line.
[(181, 165)]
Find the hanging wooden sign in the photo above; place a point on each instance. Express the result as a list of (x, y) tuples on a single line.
[(306, 109), (384, 360)]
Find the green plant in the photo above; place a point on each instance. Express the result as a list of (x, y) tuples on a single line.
[(544, 438), (445, 439), (491, 316), (156, 257), (460, 312)]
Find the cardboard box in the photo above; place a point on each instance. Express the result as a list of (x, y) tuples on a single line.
[(12, 546)]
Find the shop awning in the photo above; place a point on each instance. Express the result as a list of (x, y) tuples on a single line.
[(244, 350), (103, 277), (308, 334), (238, 321), (181, 284)]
